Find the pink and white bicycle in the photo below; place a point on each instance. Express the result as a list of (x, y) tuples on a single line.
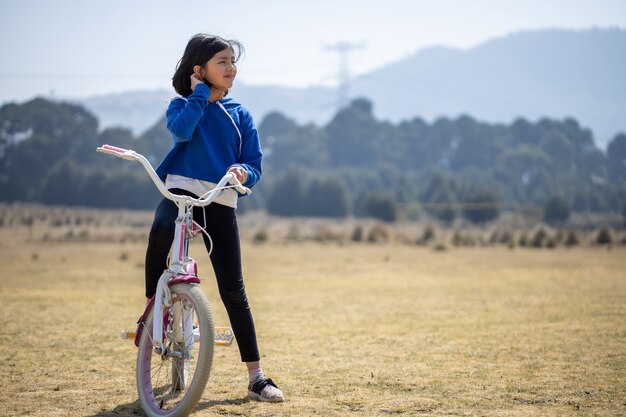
[(176, 335)]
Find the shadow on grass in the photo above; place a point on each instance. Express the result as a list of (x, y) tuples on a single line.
[(134, 408), (130, 409), (208, 404)]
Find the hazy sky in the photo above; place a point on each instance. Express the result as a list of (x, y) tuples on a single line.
[(80, 47)]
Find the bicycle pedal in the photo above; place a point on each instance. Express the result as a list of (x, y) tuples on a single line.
[(127, 335), (224, 336)]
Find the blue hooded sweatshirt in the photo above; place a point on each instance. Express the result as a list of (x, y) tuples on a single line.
[(209, 138)]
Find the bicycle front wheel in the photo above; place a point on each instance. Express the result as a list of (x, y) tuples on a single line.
[(171, 382)]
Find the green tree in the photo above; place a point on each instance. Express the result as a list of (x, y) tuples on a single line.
[(440, 198), (482, 205), (616, 155), (35, 135), (287, 144), (326, 197), (287, 193), (519, 168), (473, 144), (155, 142), (354, 136), (556, 210), (560, 149), (524, 132), (380, 207), (527, 162), (62, 184), (115, 189)]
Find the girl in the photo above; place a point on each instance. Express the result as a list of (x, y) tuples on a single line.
[(212, 135)]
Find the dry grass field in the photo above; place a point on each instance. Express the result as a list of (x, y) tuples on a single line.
[(346, 329)]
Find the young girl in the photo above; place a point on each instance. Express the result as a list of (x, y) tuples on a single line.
[(212, 135)]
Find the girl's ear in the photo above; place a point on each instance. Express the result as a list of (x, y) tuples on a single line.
[(196, 70)]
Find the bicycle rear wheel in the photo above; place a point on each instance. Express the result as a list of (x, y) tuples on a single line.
[(170, 383)]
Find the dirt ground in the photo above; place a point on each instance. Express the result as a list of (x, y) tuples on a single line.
[(344, 329)]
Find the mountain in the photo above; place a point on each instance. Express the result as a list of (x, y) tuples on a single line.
[(137, 110), (140, 110), (532, 74), (549, 73)]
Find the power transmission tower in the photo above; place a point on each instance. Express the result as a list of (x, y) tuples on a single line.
[(343, 73)]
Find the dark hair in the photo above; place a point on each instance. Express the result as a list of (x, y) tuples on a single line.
[(200, 48)]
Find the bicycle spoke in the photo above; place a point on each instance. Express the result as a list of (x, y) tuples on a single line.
[(145, 330), (156, 366), (158, 384), (176, 377)]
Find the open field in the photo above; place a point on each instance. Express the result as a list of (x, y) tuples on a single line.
[(346, 329)]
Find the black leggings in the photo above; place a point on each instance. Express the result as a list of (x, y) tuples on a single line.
[(225, 257)]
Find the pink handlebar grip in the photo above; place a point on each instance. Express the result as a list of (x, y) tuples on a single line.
[(114, 149)]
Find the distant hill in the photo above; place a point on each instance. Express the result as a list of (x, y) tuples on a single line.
[(548, 73), (532, 74), (140, 110)]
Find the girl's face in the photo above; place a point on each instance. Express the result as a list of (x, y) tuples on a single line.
[(220, 71)]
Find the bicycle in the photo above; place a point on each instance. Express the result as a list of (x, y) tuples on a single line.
[(176, 351)]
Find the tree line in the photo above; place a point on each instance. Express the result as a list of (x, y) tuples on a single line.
[(354, 165)]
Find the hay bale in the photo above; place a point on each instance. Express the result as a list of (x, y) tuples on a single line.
[(539, 237), (463, 239), (458, 239), (440, 247), (506, 238), (428, 235), (357, 234), (603, 236), (499, 236), (571, 239), (379, 233), (524, 240), (560, 236), (325, 233), (261, 236), (27, 221), (494, 237)]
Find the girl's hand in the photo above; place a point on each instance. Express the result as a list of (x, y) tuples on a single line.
[(240, 173), (195, 80)]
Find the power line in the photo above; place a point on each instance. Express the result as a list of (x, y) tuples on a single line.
[(343, 72)]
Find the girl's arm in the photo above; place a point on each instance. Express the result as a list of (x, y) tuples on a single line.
[(183, 116), (251, 154)]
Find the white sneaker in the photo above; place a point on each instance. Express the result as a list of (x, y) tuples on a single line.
[(264, 389)]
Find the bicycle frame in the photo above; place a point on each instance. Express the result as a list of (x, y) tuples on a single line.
[(181, 268)]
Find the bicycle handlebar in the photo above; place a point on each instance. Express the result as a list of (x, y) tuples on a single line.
[(205, 200)]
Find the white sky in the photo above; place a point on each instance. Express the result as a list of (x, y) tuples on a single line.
[(73, 48)]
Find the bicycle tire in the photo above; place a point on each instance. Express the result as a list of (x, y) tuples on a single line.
[(163, 392)]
